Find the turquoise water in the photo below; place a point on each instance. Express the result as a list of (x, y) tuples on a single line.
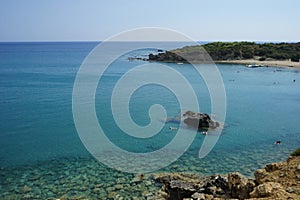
[(40, 148)]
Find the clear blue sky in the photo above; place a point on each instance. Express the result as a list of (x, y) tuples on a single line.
[(95, 20)]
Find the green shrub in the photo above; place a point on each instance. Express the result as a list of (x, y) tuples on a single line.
[(296, 153), (295, 58)]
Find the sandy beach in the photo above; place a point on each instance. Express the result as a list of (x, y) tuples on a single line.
[(279, 63)]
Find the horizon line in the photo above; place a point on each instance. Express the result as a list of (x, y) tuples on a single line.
[(95, 41)]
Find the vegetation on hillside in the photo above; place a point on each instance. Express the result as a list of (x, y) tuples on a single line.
[(296, 152), (234, 51)]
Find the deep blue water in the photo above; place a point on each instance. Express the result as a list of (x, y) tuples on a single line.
[(36, 121), (36, 92)]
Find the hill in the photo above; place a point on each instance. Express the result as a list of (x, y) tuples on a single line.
[(227, 51)]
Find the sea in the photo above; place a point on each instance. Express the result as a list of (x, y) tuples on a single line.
[(42, 155)]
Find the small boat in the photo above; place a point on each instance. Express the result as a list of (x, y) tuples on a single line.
[(254, 66), (180, 63), (172, 128)]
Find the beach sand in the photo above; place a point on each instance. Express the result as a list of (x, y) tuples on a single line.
[(281, 63)]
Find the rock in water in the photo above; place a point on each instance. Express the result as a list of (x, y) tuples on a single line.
[(25, 189), (199, 121)]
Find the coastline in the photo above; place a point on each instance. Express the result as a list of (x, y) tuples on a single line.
[(269, 63), (247, 53), (278, 180)]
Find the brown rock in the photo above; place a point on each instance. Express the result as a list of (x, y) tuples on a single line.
[(290, 190), (260, 175), (179, 186), (201, 196), (275, 181), (272, 167), (162, 194), (265, 189), (240, 186)]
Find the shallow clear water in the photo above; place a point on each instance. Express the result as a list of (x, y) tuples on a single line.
[(40, 147)]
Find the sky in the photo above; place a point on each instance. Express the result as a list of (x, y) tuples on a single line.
[(201, 20)]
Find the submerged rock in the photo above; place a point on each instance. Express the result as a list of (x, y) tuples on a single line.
[(25, 189)]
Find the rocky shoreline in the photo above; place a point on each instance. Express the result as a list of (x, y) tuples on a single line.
[(83, 179), (276, 181)]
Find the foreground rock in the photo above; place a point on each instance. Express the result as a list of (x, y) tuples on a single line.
[(179, 186), (275, 181)]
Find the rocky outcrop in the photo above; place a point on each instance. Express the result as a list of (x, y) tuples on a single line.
[(275, 181), (267, 189), (227, 51), (180, 186), (167, 56), (200, 121), (240, 186)]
